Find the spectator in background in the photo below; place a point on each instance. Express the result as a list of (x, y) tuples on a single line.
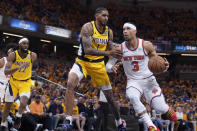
[(55, 111), (76, 117), (179, 113), (36, 107), (82, 108), (37, 111)]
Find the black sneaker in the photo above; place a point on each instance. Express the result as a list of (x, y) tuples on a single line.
[(17, 122), (122, 127), (3, 128)]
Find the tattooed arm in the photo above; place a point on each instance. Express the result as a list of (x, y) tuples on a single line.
[(86, 35)]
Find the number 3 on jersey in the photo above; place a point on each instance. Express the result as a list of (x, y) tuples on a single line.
[(135, 66)]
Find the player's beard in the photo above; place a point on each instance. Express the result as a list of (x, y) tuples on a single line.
[(103, 23), (24, 50)]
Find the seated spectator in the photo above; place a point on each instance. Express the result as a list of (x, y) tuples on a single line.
[(56, 111), (77, 117), (37, 112)]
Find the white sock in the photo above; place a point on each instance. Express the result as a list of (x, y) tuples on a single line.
[(3, 123), (18, 115), (146, 119), (70, 119), (118, 122)]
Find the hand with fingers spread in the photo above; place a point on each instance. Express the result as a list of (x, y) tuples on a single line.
[(116, 67), (166, 64)]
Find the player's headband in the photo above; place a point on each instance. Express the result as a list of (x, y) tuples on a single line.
[(130, 26), (22, 40)]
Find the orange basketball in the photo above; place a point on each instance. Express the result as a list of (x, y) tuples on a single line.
[(156, 64)]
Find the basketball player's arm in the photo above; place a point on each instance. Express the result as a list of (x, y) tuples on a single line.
[(34, 63), (112, 64), (86, 35), (150, 50), (34, 60), (1, 63), (10, 59)]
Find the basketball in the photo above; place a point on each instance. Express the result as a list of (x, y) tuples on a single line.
[(156, 64)]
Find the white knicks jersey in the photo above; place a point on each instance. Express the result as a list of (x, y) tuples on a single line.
[(135, 62), (3, 78)]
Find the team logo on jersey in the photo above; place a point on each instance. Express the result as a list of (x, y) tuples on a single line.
[(28, 57), (105, 33), (140, 48), (154, 91)]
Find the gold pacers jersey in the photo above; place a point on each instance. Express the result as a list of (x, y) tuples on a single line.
[(24, 73), (99, 41)]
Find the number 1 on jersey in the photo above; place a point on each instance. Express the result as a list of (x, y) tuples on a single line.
[(135, 66)]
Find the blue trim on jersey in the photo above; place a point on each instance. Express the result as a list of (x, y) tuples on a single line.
[(89, 60), (10, 89), (82, 48), (1, 83), (79, 66), (98, 30)]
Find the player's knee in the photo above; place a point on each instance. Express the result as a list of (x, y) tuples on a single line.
[(159, 105), (109, 95), (72, 81), (23, 101), (134, 98)]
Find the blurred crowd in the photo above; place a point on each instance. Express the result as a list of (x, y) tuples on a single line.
[(46, 105), (181, 95), (175, 25)]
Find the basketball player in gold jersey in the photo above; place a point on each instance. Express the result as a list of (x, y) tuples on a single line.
[(95, 43), (19, 66)]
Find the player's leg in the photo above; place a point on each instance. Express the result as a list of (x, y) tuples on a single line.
[(74, 77), (100, 78), (24, 93), (156, 99), (9, 99), (2, 92), (134, 93)]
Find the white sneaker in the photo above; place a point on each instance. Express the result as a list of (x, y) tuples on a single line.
[(38, 127)]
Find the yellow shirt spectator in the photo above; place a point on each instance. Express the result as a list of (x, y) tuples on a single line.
[(75, 110)]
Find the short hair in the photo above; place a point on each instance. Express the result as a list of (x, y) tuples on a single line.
[(99, 10), (37, 97)]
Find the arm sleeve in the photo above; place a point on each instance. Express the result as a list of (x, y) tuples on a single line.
[(111, 62)]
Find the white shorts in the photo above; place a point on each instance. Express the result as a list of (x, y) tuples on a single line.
[(77, 70), (2, 91), (149, 87)]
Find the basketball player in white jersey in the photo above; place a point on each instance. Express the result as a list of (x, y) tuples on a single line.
[(4, 78), (140, 80)]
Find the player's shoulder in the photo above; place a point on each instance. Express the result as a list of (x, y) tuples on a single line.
[(147, 43), (34, 55), (87, 25), (12, 54)]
